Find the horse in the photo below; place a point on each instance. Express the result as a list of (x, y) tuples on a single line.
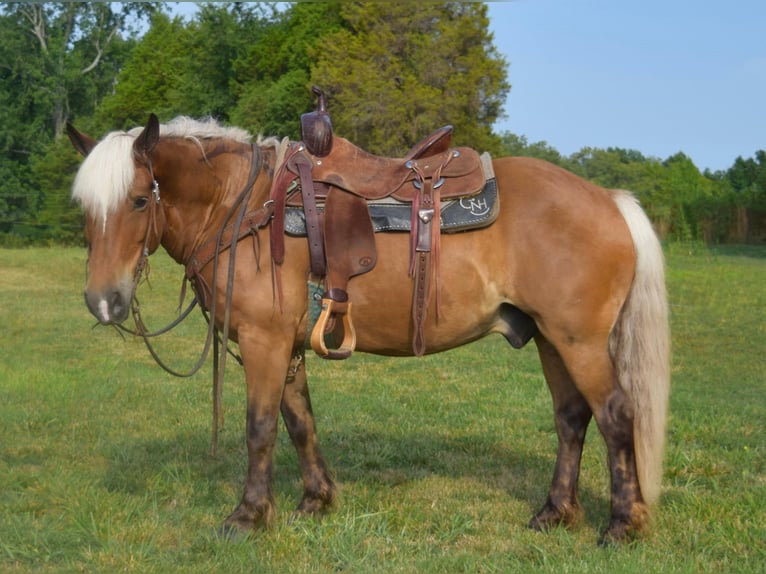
[(581, 261)]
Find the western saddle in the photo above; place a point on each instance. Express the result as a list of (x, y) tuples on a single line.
[(333, 180)]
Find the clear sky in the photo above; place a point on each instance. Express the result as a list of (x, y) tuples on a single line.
[(657, 76)]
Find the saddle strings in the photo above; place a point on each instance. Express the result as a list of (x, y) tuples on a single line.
[(435, 204)]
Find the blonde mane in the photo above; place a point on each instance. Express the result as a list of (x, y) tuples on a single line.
[(104, 178)]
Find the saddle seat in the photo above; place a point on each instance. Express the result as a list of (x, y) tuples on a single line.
[(373, 177)]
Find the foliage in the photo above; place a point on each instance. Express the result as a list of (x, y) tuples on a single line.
[(64, 55), (274, 75), (393, 74), (518, 145), (56, 60), (104, 463), (183, 68), (60, 219)]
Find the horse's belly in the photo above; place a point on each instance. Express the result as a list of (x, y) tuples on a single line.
[(468, 296)]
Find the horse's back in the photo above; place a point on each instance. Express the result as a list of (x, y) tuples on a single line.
[(551, 213), (538, 193)]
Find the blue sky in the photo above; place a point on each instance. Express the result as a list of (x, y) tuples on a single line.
[(655, 76)]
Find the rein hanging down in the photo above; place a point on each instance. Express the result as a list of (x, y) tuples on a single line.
[(218, 338)]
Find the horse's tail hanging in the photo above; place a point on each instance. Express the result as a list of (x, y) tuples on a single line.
[(640, 347)]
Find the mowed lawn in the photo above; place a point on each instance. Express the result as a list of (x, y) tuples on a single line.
[(440, 462)]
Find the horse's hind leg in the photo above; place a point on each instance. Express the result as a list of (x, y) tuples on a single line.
[(590, 366), (266, 362), (572, 415), (318, 487)]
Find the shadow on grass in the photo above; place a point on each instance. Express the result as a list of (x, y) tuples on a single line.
[(369, 459)]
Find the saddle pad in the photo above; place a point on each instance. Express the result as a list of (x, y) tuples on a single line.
[(391, 215)]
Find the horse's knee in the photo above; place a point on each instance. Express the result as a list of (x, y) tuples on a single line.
[(261, 433)]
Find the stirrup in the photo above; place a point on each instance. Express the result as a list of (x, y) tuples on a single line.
[(331, 311)]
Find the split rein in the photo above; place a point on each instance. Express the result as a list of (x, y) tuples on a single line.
[(218, 339)]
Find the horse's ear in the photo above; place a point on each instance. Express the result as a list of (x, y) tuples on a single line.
[(81, 142), (148, 138)]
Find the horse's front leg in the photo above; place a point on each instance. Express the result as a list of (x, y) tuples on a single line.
[(265, 367), (318, 487)]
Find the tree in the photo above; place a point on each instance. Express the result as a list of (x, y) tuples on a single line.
[(58, 219), (273, 79), (217, 40), (150, 80), (65, 43), (748, 179), (394, 73), (57, 59), (516, 145)]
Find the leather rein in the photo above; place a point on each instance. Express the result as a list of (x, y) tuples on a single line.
[(231, 232)]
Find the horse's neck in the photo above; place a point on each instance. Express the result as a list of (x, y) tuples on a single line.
[(197, 191)]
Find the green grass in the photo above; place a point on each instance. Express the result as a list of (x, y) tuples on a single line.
[(105, 465)]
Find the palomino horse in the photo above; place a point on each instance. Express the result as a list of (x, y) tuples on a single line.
[(582, 261)]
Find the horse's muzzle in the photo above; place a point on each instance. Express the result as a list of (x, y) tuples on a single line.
[(110, 307)]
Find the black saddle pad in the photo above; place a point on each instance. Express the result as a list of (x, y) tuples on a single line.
[(472, 212)]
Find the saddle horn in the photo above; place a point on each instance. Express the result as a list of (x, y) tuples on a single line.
[(316, 127)]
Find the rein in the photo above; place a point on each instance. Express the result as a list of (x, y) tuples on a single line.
[(219, 243)]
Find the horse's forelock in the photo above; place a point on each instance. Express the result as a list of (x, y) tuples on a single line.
[(104, 178)]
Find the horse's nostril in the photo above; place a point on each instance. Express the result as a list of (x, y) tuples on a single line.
[(97, 306), (118, 307)]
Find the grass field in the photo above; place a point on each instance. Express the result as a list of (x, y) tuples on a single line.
[(105, 465)]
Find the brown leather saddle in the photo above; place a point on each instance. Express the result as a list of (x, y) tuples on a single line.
[(333, 180)]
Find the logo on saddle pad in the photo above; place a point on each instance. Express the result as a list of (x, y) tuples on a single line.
[(476, 206)]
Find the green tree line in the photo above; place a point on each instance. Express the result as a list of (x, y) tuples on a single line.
[(392, 73)]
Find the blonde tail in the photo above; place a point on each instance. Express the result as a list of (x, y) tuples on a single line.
[(640, 347)]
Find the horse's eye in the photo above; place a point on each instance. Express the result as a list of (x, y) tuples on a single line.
[(140, 203)]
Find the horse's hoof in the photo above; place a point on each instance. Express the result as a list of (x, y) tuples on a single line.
[(627, 528), (551, 516), (619, 533), (316, 505), (316, 511), (234, 533), (246, 520)]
